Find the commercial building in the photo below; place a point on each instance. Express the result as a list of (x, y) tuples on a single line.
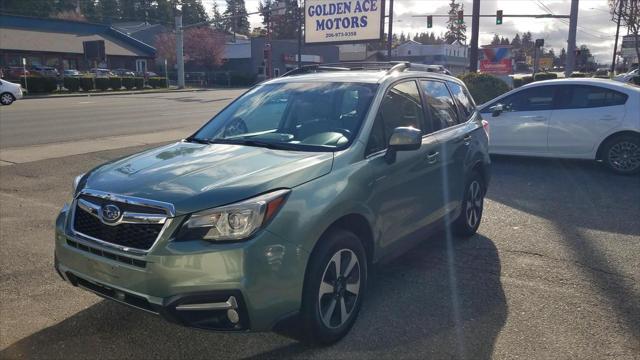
[(59, 43), (455, 57)]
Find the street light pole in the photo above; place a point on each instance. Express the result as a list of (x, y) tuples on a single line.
[(390, 34), (299, 11), (571, 43), (475, 29), (179, 51)]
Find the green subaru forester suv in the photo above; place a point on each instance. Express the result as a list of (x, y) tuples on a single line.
[(271, 215)]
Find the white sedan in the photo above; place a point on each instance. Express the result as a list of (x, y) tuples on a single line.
[(596, 119), (9, 92)]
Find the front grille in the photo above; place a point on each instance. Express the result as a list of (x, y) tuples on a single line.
[(122, 205), (138, 236), (107, 254)]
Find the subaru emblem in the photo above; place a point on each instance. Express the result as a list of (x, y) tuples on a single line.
[(110, 213)]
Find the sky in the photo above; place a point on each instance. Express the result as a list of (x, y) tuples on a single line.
[(595, 28)]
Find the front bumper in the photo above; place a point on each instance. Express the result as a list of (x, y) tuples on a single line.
[(248, 285)]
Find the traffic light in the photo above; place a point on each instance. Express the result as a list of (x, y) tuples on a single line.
[(499, 17), (460, 17), (429, 22)]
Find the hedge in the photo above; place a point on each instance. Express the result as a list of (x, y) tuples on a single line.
[(157, 82), (578, 75), (545, 76), (517, 82), (484, 87), (37, 84), (128, 83), (115, 83), (102, 83)]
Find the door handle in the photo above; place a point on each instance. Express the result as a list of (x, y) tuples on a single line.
[(467, 139), (608, 118), (539, 118), (433, 157)]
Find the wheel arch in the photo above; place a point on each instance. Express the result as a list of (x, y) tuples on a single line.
[(613, 136), (359, 225)]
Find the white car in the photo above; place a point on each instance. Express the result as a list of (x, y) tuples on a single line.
[(9, 92), (594, 119), (626, 77)]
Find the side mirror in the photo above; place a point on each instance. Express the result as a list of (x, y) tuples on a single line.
[(403, 139), (496, 110)]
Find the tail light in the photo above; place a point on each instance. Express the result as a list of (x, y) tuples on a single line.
[(485, 126)]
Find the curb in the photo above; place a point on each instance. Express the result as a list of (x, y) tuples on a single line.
[(28, 97)]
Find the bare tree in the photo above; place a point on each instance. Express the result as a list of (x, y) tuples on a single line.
[(629, 14), (203, 46)]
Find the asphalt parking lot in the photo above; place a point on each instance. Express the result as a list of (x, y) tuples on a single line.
[(554, 273)]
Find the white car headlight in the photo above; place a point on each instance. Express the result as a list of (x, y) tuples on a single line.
[(233, 222)]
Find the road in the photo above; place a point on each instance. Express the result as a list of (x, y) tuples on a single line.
[(43, 121), (552, 274)]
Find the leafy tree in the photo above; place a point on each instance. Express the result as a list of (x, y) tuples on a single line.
[(455, 32), (238, 20), (203, 46), (193, 12)]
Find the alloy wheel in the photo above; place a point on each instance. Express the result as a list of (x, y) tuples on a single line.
[(473, 207), (6, 99), (339, 288), (624, 156)]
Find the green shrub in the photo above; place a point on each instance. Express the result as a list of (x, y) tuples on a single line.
[(139, 83), (578, 75), (102, 84), (157, 82), (38, 84), (86, 83), (484, 87), (517, 82), (72, 83), (115, 83), (545, 76), (128, 83)]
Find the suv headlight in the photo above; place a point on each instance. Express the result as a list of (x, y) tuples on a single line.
[(233, 222)]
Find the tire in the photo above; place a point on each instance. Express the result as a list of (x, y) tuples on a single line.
[(622, 154), (468, 221), (324, 296), (7, 98)]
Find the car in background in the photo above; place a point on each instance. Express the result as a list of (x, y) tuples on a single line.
[(9, 92), (71, 73), (628, 76), (98, 72), (124, 73), (602, 73), (576, 118), (44, 71), (283, 201), (14, 72), (147, 74)]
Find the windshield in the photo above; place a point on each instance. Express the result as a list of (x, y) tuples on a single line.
[(319, 116)]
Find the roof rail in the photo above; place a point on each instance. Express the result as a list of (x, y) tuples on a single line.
[(306, 69), (399, 67)]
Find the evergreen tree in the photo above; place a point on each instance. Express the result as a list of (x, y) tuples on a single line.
[(504, 41), (27, 7), (193, 12), (283, 22), (455, 32), (516, 43), (89, 9), (562, 59), (164, 11), (218, 23), (496, 40), (402, 38), (109, 10), (239, 23)]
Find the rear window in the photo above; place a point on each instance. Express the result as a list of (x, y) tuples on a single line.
[(583, 96)]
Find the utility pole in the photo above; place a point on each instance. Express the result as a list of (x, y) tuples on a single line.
[(571, 43), (179, 51), (475, 29), (299, 11), (615, 46), (390, 34)]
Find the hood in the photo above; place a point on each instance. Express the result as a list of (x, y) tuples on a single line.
[(194, 177)]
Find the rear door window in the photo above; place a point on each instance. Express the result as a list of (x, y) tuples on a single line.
[(585, 96), (467, 107), (533, 99), (440, 104)]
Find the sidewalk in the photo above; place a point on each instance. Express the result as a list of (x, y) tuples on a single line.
[(124, 92)]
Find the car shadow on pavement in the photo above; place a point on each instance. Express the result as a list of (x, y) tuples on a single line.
[(594, 211), (442, 299)]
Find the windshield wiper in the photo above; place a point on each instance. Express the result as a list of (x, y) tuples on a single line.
[(198, 140), (257, 143)]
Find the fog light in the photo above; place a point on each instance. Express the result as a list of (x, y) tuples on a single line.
[(233, 316)]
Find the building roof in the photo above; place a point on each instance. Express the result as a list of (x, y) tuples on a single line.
[(142, 31), (64, 36)]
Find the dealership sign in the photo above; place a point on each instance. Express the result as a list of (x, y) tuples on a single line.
[(331, 21), (496, 60)]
